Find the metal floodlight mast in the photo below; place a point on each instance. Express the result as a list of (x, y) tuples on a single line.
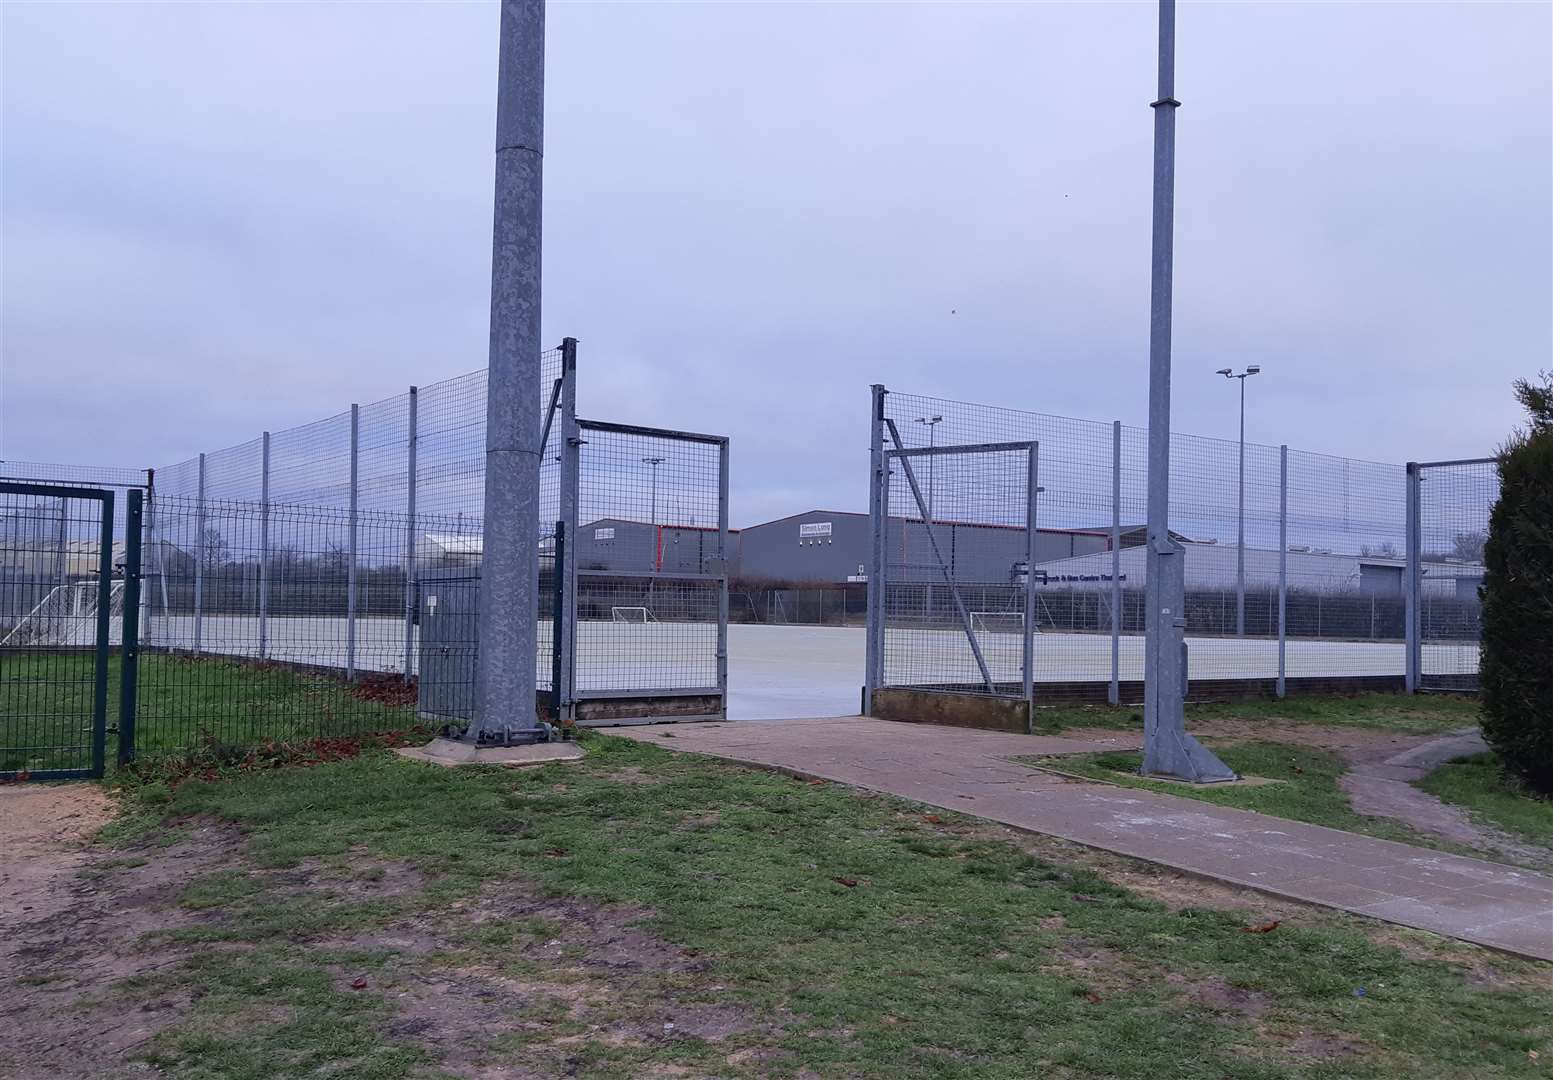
[(1167, 749), (505, 708), (1240, 541)]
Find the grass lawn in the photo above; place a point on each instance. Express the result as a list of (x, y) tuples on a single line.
[(1307, 789), (647, 914), (1418, 714), (46, 701), (1477, 784)]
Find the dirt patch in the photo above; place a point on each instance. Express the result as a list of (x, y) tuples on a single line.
[(532, 1008), (44, 829), (1220, 996), (101, 924)]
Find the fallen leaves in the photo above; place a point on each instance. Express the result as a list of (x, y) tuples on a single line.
[(932, 819), (359, 984), (1262, 928), (849, 882)]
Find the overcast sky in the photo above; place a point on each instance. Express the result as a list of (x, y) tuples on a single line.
[(221, 218)]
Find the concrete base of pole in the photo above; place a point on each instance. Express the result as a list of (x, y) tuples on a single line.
[(451, 753)]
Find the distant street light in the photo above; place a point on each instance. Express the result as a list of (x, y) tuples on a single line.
[(1240, 545), (657, 545)]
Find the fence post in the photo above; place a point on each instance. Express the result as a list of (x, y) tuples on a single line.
[(1283, 567), (129, 620), (1411, 582), (1114, 694), (264, 548), (571, 473), (878, 495), (1032, 491), (722, 590), (350, 569), (199, 560), (409, 541)]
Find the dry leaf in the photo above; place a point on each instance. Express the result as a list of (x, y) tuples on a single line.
[(1261, 928), (932, 819), (849, 882), (358, 984)]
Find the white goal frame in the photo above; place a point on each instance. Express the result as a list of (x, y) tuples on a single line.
[(980, 619), (616, 614)]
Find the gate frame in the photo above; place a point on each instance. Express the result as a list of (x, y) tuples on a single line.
[(1412, 579), (573, 699), (99, 738), (878, 582)]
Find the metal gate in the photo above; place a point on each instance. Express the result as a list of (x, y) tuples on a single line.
[(63, 587), (951, 608), (1448, 505)]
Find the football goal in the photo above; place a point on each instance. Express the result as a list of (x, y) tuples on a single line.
[(999, 622), (66, 617), (632, 615)]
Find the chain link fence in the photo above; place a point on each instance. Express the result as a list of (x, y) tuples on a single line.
[(1299, 579)]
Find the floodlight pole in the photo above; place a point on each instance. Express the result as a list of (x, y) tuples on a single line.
[(1167, 749), (505, 707)]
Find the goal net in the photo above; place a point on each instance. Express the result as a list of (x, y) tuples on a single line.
[(65, 617), (999, 622), (631, 615)]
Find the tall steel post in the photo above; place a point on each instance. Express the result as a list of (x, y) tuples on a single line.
[(411, 436), (570, 444), (505, 708), (1167, 749), (1027, 642), (878, 494), (199, 560), (264, 547), (1414, 660), (1283, 567), (722, 562), (1114, 692), (350, 567), (1240, 535)]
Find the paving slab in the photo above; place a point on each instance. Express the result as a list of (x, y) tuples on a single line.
[(1502, 907)]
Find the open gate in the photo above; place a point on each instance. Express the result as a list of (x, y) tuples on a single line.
[(68, 597), (952, 612)]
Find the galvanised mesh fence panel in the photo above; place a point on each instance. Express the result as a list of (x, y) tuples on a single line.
[(57, 596), (1347, 528), (1302, 577), (249, 632), (958, 611), (1454, 502), (1073, 522), (651, 558)]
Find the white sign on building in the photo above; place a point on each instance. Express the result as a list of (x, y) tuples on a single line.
[(604, 534), (813, 528)]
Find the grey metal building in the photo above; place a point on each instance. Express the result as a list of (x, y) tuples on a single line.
[(832, 546)]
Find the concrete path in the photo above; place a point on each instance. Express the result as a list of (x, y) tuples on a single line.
[(1471, 899)]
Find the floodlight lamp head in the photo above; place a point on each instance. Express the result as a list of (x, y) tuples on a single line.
[(1226, 372), (1253, 369)]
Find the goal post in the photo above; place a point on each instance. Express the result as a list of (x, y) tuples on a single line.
[(632, 615), (999, 622)]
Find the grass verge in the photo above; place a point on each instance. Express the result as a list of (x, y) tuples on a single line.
[(1478, 784), (1406, 714), (650, 914), (1306, 788)]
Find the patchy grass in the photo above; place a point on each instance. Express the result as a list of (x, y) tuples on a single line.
[(1417, 714), (649, 914), (1478, 784), (1307, 789)]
